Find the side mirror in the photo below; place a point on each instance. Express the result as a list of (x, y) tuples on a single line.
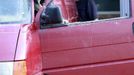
[(51, 15)]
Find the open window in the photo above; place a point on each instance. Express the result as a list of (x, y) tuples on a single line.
[(108, 9), (105, 9)]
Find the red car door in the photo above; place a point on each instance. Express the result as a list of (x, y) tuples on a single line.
[(98, 47)]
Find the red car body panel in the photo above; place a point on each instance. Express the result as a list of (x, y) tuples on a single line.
[(112, 68), (69, 46), (34, 57), (8, 39)]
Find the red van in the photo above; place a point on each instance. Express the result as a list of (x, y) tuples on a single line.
[(55, 42)]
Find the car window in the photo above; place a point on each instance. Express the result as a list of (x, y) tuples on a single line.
[(15, 11), (90, 10), (108, 8)]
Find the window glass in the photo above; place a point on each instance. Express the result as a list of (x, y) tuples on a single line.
[(108, 5), (108, 8), (15, 11), (112, 8)]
